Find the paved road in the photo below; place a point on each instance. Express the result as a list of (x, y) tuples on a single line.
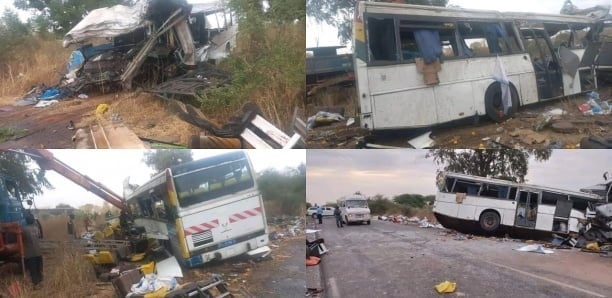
[(394, 260)]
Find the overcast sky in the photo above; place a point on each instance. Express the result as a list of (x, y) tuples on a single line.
[(110, 167), (332, 174), (325, 35)]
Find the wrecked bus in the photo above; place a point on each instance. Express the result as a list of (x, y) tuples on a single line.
[(354, 209), (466, 202), (204, 210), (418, 66), (146, 44)]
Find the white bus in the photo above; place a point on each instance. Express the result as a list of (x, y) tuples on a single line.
[(418, 66), (204, 210), (354, 208), (467, 202)]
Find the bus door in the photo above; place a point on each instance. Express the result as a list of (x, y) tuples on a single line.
[(545, 63), (527, 209), (563, 209)]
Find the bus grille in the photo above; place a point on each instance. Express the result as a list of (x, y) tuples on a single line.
[(202, 238)]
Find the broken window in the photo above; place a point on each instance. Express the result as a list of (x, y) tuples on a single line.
[(427, 40), (464, 186), (494, 191), (381, 39), (485, 38), (551, 198), (579, 203)]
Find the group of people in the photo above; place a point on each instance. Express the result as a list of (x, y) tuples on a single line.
[(337, 215)]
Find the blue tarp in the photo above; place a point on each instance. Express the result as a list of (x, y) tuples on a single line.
[(429, 44), (52, 93), (76, 61)]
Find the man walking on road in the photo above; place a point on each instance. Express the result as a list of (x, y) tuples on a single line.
[(338, 216), (320, 214)]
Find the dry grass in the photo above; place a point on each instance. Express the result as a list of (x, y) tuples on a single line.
[(66, 272), (148, 116), (335, 96), (35, 61)]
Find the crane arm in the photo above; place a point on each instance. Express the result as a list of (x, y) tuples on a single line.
[(47, 161)]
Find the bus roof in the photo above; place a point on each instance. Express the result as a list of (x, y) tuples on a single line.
[(462, 13), (584, 195)]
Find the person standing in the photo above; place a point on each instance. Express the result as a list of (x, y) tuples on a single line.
[(338, 215), (70, 225), (320, 214), (32, 253)]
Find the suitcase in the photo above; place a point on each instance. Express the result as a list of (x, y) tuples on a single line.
[(124, 282)]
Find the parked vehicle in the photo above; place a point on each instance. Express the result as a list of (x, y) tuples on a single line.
[(354, 209), (327, 211)]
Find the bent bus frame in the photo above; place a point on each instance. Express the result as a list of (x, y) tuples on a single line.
[(419, 66), (472, 203), (204, 210)]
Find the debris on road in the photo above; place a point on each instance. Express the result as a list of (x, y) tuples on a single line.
[(323, 118), (535, 248), (446, 287)]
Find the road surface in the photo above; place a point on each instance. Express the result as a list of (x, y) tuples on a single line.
[(394, 260)]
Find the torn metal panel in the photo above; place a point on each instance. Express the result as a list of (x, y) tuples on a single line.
[(191, 83), (108, 22)]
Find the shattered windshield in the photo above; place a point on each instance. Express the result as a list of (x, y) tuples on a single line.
[(356, 204), (209, 183)]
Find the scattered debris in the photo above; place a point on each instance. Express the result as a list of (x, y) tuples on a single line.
[(323, 118), (45, 103), (534, 248), (446, 287), (594, 106), (422, 141)]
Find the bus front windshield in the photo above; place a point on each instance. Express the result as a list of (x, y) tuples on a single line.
[(356, 204), (207, 184)]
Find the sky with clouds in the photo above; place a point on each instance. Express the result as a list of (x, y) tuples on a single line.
[(332, 174), (111, 167), (320, 34)]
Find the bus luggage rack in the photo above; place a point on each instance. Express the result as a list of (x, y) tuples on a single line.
[(202, 289)]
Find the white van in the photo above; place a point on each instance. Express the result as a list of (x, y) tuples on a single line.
[(354, 208), (327, 211)]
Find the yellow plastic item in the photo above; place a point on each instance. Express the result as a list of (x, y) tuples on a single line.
[(157, 294), (108, 232), (105, 257), (101, 108), (592, 246), (98, 235), (137, 257), (446, 287), (148, 268)]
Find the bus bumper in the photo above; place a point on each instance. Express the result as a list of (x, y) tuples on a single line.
[(230, 251)]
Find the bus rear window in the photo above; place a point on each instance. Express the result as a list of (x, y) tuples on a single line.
[(210, 183)]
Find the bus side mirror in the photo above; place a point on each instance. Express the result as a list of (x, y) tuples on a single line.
[(29, 202)]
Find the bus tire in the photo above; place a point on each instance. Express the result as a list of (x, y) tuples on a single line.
[(493, 102), (489, 221)]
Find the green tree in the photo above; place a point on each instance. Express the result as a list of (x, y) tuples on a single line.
[(339, 13), (161, 159), (22, 175), (62, 15), (286, 190), (508, 164), (413, 200)]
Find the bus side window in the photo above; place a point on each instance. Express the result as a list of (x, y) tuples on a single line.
[(485, 38), (512, 195), (381, 39)]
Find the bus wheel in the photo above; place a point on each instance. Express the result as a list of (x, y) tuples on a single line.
[(368, 222), (493, 102), (489, 221)]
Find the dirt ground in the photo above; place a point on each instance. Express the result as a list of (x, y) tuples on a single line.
[(517, 132), (280, 275), (144, 114)]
